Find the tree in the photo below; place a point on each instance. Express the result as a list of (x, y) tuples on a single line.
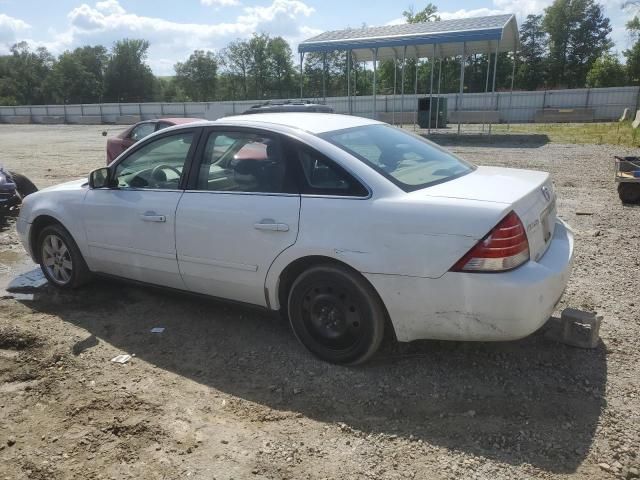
[(237, 58), (578, 35), (607, 71), (127, 77), (281, 71), (427, 14), (77, 77), (258, 63), (28, 72), (633, 54), (197, 77), (533, 48)]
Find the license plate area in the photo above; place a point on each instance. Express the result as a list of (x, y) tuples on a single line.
[(547, 220)]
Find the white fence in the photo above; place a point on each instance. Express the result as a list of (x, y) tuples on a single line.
[(605, 104)]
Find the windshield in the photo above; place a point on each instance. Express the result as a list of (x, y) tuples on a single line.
[(409, 161)]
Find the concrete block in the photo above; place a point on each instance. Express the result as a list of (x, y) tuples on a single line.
[(564, 115), (625, 115), (90, 120), (576, 328), (18, 119), (49, 119), (636, 122), (474, 116)]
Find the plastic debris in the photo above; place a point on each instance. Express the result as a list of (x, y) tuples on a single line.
[(157, 330), (124, 358)]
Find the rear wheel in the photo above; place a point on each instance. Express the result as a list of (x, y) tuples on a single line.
[(336, 314), (23, 185), (60, 259), (629, 192)]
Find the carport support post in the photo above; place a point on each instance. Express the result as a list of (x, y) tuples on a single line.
[(301, 74), (415, 88), (404, 65), (439, 90), (395, 85), (495, 69), (324, 79), (349, 81), (375, 86), (513, 75), (459, 98), (486, 84), (431, 64)]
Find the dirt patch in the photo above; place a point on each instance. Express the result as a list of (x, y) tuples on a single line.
[(16, 339), (226, 392)]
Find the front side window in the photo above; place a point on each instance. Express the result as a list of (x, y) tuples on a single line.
[(244, 162), (141, 131), (407, 160), (157, 165)]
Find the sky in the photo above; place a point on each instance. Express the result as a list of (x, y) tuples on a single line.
[(176, 28)]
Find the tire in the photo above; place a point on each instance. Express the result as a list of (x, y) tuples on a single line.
[(629, 192), (60, 258), (336, 314), (23, 184)]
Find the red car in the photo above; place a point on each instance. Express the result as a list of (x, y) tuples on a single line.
[(118, 144)]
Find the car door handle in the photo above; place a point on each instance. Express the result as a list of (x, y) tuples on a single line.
[(271, 226), (153, 218)]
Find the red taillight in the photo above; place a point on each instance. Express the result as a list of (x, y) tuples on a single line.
[(504, 248)]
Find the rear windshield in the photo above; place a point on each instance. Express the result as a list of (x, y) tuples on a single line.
[(409, 161)]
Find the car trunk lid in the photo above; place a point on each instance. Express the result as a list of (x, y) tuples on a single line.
[(529, 193)]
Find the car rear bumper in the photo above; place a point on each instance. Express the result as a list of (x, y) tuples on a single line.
[(476, 306)]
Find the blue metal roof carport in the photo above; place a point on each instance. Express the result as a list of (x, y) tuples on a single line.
[(431, 40)]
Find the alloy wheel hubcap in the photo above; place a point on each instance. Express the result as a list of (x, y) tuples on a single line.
[(56, 259)]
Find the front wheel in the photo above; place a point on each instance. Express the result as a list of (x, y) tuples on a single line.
[(336, 314), (629, 192), (60, 258)]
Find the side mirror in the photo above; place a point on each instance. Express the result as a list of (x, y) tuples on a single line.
[(104, 133), (100, 178)]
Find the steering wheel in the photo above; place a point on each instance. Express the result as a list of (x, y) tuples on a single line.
[(158, 172)]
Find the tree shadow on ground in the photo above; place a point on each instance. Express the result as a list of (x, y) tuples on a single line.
[(531, 401), (493, 141)]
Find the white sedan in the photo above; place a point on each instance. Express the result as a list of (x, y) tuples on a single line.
[(348, 226)]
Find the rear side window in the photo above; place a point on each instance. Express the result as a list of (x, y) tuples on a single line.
[(321, 176), (409, 161)]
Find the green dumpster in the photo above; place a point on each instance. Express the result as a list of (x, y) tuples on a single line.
[(438, 113)]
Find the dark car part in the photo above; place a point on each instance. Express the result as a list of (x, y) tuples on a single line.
[(288, 106), (13, 188)]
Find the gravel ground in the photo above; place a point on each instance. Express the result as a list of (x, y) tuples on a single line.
[(226, 392)]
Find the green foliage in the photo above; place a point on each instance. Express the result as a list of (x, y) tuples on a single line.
[(533, 51), (27, 74), (127, 77), (262, 65), (427, 14), (633, 63), (197, 77), (633, 54), (578, 35), (607, 71), (77, 77)]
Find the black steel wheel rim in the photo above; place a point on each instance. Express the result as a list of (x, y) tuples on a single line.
[(332, 315)]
